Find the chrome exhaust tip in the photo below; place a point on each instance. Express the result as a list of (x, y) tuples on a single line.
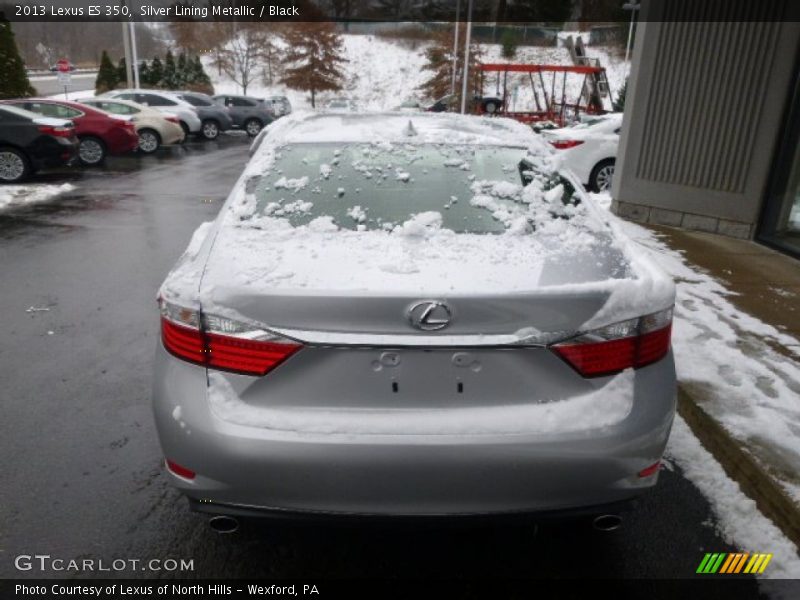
[(607, 522), (223, 524)]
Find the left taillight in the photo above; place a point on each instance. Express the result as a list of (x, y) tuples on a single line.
[(57, 131), (628, 344), (221, 343)]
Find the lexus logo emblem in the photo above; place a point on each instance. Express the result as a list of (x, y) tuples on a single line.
[(429, 315)]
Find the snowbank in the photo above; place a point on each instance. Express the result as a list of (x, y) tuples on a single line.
[(12, 196)]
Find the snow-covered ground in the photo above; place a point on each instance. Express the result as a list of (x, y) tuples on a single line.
[(752, 391), (738, 519), (18, 195), (749, 385), (380, 73)]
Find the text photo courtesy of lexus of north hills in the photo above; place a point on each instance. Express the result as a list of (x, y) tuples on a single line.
[(398, 299)]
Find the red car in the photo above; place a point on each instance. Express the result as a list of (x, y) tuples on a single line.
[(99, 133)]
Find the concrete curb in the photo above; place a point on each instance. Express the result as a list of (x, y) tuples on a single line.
[(755, 482)]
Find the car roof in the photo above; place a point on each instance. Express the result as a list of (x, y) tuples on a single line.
[(404, 127)]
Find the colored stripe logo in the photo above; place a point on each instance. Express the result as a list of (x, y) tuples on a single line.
[(739, 562)]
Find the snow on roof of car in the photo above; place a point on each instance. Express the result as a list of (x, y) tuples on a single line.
[(402, 127)]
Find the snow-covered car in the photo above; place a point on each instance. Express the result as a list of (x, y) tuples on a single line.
[(214, 118), (412, 315), (153, 127), (280, 105), (589, 149), (164, 102), (248, 112), (340, 104)]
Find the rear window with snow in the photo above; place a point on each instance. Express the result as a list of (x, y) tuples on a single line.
[(368, 186)]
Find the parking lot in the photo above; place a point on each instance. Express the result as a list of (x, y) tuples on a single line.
[(82, 462)]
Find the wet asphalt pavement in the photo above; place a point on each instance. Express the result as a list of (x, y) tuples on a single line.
[(81, 468)]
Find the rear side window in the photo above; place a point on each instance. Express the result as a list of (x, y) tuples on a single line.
[(195, 100), (240, 102), (154, 100), (115, 107), (54, 110)]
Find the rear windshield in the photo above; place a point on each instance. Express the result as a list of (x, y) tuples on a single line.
[(475, 189)]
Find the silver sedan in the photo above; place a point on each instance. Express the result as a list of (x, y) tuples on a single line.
[(412, 314)]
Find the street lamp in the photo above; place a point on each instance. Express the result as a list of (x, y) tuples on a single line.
[(455, 50), (466, 59), (633, 7)]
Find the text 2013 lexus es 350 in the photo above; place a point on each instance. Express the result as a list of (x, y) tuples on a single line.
[(401, 314)]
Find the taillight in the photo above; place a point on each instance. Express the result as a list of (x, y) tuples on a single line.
[(57, 131), (173, 120), (633, 343), (179, 470), (221, 343), (565, 144)]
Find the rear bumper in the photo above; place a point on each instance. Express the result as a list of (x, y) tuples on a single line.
[(243, 469)]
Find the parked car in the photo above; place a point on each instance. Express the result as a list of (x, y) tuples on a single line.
[(99, 133), (153, 127), (340, 104), (56, 67), (166, 103), (451, 327), (589, 149), (410, 105), (247, 112), (29, 142), (214, 118), (280, 105)]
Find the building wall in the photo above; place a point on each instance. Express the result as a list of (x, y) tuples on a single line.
[(708, 91)]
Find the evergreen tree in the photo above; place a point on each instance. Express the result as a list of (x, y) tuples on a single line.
[(509, 41), (313, 58), (13, 78), (201, 82), (107, 75), (169, 78), (619, 102), (439, 57), (155, 73), (122, 73), (182, 74), (144, 73)]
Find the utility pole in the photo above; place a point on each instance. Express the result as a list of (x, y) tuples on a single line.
[(466, 59), (135, 53), (126, 42), (633, 7), (455, 50)]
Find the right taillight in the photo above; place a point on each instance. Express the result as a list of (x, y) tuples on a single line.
[(221, 343), (628, 344)]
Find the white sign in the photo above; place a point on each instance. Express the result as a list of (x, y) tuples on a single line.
[(64, 78)]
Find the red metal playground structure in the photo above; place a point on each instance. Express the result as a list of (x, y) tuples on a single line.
[(550, 90)]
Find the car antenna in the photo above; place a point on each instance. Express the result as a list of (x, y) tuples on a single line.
[(410, 130)]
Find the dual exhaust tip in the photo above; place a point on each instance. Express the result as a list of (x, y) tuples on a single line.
[(225, 524), (607, 522)]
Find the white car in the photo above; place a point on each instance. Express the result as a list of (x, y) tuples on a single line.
[(589, 149), (340, 105), (166, 103)]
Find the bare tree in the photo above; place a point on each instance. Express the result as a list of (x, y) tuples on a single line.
[(241, 56)]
